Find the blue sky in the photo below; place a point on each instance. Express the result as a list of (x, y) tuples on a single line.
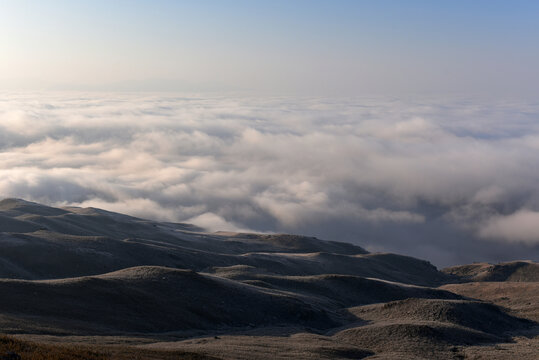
[(303, 47)]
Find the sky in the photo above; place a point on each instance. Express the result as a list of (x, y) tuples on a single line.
[(271, 47), (400, 126)]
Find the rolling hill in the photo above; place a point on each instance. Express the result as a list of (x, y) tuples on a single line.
[(92, 278)]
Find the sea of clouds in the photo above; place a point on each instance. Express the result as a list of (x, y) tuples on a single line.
[(451, 180)]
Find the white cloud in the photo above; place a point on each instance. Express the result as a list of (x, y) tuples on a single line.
[(521, 226), (213, 222), (341, 166)]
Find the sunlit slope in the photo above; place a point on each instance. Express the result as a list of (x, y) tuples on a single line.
[(521, 271)]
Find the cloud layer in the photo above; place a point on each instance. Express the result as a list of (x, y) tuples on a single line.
[(450, 180)]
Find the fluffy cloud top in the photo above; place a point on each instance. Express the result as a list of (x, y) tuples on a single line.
[(519, 226), (451, 180)]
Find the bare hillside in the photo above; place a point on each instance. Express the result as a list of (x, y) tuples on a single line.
[(522, 271), (88, 281), (40, 242)]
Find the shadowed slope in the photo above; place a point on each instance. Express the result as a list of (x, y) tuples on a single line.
[(150, 299), (336, 290), (292, 243), (40, 242), (390, 267)]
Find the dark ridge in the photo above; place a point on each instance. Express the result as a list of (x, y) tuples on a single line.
[(339, 290), (40, 242), (153, 299)]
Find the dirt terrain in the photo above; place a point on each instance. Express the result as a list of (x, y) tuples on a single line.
[(91, 284)]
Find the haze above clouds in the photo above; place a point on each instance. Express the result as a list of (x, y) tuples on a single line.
[(302, 47), (450, 180)]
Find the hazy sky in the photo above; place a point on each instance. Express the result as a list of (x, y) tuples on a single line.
[(300, 47)]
